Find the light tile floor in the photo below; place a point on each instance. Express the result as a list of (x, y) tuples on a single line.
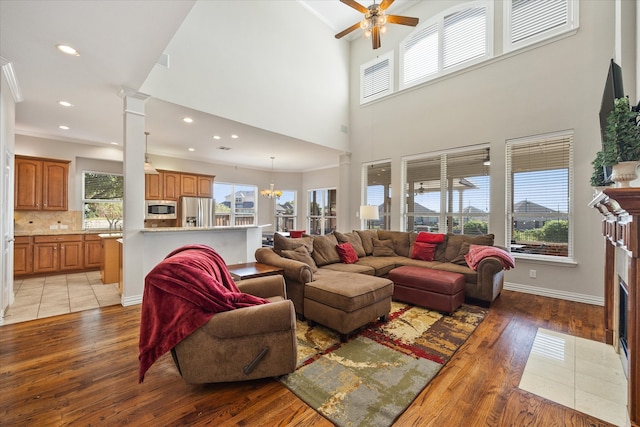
[(578, 373), (48, 296)]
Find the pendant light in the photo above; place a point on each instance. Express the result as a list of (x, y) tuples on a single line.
[(148, 167), (270, 193)]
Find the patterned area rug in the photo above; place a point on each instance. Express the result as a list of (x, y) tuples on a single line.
[(371, 379)]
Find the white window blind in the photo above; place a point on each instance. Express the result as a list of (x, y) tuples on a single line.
[(530, 21), (458, 37), (449, 192), (464, 36), (421, 54), (539, 187), (376, 78)]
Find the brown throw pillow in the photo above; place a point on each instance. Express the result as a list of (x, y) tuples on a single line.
[(301, 254), (383, 248), (324, 250), (281, 243)]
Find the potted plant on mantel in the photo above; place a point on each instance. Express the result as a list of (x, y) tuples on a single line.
[(621, 145)]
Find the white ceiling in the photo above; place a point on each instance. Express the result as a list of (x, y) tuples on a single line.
[(119, 43)]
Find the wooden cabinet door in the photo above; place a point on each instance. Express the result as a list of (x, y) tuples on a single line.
[(71, 256), (54, 186), (205, 186), (28, 184), (171, 185), (45, 257), (153, 187), (22, 255), (188, 185), (92, 252)]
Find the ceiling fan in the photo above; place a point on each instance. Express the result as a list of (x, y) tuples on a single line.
[(420, 190), (374, 20)]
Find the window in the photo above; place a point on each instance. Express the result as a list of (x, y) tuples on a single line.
[(539, 190), (530, 21), (322, 211), (448, 192), (235, 204), (377, 179), (102, 201), (457, 38), (376, 78), (286, 211)]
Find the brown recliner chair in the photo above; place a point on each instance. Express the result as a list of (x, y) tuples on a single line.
[(243, 344)]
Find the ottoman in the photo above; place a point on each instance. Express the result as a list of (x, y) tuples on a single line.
[(345, 302), (433, 289)]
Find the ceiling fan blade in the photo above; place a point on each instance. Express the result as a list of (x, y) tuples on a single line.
[(357, 6), (402, 20), (348, 30), (385, 4), (375, 37)]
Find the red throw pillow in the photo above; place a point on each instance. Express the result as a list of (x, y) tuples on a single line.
[(425, 237), (347, 254), (423, 251)]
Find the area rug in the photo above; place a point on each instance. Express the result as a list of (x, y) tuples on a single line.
[(373, 377)]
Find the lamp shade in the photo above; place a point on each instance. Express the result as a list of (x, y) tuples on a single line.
[(369, 212)]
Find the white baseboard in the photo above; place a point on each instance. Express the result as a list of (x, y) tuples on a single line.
[(127, 301), (552, 293)]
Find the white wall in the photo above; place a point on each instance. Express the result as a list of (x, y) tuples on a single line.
[(269, 64), (552, 87)]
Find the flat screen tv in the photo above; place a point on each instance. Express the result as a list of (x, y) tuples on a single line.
[(612, 89)]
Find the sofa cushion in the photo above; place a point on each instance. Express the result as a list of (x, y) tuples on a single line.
[(383, 248), (383, 264), (367, 237), (454, 245), (346, 291), (346, 252), (324, 250), (470, 276), (354, 239), (301, 254), (427, 237), (423, 251), (281, 243), (400, 241), (350, 268)]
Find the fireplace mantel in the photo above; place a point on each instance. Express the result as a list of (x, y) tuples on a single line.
[(620, 208)]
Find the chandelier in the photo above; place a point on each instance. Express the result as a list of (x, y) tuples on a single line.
[(271, 193)]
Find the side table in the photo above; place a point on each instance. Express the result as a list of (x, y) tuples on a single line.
[(249, 270)]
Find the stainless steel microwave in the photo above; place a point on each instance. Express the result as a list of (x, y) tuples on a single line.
[(160, 209)]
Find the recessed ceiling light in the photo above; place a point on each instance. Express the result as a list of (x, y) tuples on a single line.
[(191, 149), (216, 136), (187, 119), (63, 127), (65, 103), (234, 136), (67, 49), (113, 143)]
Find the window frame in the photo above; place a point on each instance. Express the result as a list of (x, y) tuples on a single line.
[(322, 218), (445, 195), (379, 60), (293, 216), (439, 20), (85, 201), (539, 140), (233, 217), (572, 24), (384, 222)]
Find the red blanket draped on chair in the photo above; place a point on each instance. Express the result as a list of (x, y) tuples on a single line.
[(180, 295)]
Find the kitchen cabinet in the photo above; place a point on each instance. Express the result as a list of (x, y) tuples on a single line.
[(57, 253), (22, 256), (110, 265), (171, 185), (153, 186), (92, 251), (188, 185), (205, 186), (41, 184)]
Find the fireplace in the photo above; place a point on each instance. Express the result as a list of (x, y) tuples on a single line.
[(623, 326)]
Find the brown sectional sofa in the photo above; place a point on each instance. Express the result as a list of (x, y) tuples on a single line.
[(315, 259)]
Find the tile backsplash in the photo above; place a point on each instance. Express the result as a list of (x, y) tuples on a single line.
[(43, 221)]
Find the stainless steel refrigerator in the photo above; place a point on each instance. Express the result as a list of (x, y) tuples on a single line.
[(197, 212)]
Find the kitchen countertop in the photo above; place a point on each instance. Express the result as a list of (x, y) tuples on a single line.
[(18, 233), (174, 229)]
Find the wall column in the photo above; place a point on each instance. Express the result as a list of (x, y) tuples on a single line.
[(133, 166)]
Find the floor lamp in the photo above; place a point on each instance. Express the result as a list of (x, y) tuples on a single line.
[(369, 213)]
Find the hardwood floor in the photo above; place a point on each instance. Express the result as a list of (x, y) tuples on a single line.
[(81, 369)]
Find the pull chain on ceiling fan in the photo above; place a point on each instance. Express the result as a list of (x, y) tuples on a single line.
[(374, 20)]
